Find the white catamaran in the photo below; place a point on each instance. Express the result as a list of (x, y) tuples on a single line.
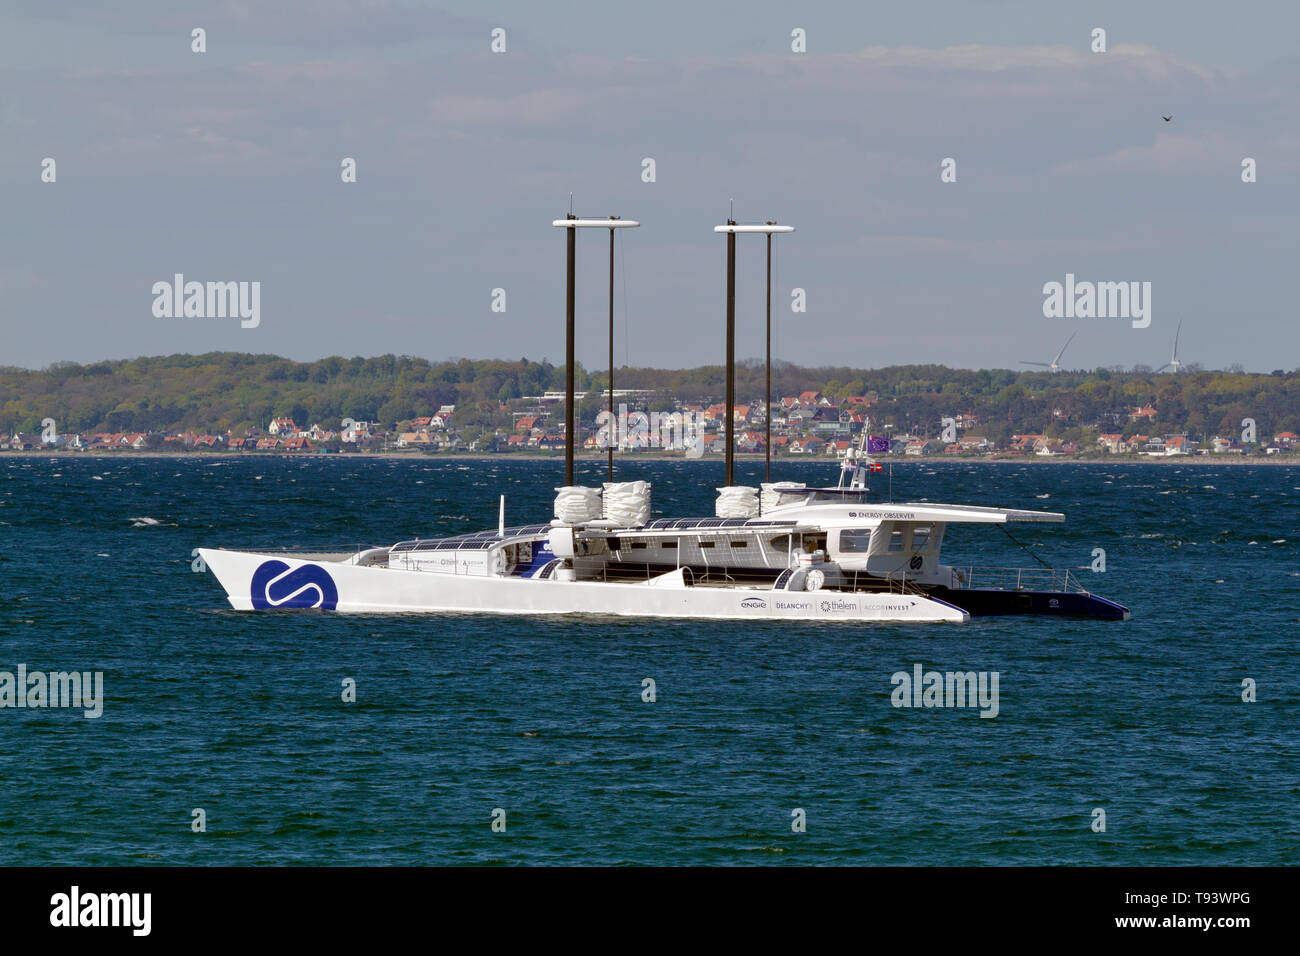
[(789, 553)]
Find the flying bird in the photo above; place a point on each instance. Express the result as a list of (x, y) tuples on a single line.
[(1167, 118)]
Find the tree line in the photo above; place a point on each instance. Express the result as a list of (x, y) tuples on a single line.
[(239, 392)]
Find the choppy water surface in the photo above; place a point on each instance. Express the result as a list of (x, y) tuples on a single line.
[(240, 713)]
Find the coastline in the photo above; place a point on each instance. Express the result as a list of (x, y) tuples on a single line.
[(1233, 460)]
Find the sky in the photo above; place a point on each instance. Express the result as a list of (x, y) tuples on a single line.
[(226, 166)]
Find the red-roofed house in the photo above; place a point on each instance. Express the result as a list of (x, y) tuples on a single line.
[(1026, 443)]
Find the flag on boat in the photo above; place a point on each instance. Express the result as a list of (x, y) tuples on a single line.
[(875, 443), (875, 466)]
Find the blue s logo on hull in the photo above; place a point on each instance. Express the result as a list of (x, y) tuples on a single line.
[(308, 585)]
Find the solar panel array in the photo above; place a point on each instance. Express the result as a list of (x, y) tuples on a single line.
[(482, 540), (686, 524), (476, 541)]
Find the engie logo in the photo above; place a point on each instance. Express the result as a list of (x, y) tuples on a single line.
[(308, 585), (754, 602)]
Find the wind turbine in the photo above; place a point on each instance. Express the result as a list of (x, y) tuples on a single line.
[(1173, 362), (1055, 364)]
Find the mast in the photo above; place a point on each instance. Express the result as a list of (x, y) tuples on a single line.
[(731, 355), (571, 243), (767, 393), (611, 346), (572, 223), (731, 229)]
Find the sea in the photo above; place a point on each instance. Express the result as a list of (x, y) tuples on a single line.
[(226, 737)]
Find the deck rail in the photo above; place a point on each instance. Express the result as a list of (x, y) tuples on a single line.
[(1016, 579)]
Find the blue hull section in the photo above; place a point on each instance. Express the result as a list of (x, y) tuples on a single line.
[(987, 603)]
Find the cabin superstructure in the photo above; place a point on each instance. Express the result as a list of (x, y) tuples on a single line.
[(817, 543)]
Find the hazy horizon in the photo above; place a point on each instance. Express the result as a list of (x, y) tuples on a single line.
[(748, 361)]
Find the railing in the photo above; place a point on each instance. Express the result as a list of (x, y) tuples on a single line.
[(308, 552), (899, 583), (1016, 579), (896, 582)]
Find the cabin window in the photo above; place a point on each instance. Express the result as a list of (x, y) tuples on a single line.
[(895, 541), (668, 544), (740, 544), (706, 544), (638, 545), (855, 540), (920, 537), (808, 542)]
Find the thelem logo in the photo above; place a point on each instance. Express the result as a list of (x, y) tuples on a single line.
[(208, 300), (74, 908), (838, 605), (1100, 300)]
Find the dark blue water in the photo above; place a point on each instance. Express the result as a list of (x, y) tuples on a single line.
[(240, 713)]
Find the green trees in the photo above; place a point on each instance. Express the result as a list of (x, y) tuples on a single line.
[(216, 391)]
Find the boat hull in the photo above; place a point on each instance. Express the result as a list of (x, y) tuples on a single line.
[(266, 581), (991, 602)]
